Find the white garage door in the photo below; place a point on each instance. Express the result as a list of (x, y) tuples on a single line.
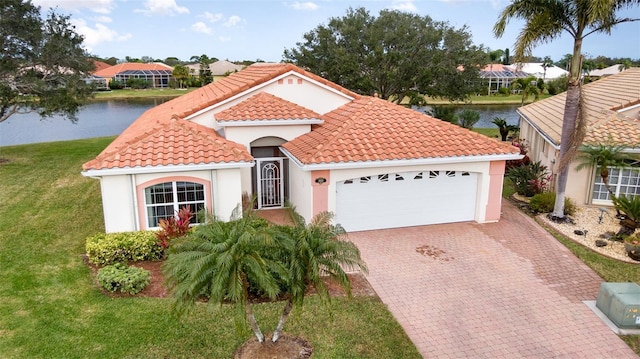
[(405, 199)]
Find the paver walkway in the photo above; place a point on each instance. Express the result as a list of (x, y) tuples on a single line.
[(498, 290)]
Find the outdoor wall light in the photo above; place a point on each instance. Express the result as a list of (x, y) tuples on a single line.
[(321, 180)]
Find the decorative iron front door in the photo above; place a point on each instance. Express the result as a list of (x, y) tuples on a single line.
[(270, 182)]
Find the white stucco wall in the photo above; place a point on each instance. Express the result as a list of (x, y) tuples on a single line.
[(227, 192), (123, 204), (118, 203), (293, 88), (579, 183), (300, 191), (246, 135)]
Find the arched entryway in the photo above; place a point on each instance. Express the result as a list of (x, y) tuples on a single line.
[(270, 174)]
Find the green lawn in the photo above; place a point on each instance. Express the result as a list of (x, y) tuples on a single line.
[(486, 100), (50, 307), (146, 93)]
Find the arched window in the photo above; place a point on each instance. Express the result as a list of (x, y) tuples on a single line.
[(163, 200)]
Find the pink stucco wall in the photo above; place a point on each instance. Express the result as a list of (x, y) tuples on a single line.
[(320, 191), (496, 179)]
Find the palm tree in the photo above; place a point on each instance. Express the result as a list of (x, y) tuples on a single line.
[(527, 87), (546, 63), (546, 20), (602, 156), (180, 73), (219, 260), (313, 252), (503, 127)]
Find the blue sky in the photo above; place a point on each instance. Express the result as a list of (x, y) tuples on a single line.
[(251, 30)]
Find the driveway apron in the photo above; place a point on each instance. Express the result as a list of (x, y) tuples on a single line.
[(497, 290)]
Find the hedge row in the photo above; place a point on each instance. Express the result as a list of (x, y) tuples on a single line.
[(107, 248)]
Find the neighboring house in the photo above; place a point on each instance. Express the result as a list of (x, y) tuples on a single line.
[(607, 71), (612, 107), (284, 134), (223, 68), (219, 69), (537, 70), (157, 74), (498, 75)]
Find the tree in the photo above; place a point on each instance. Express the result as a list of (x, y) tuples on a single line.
[(503, 127), (219, 259), (172, 61), (546, 63), (546, 20), (43, 66), (311, 252), (602, 156), (180, 73), (526, 87), (444, 113), (468, 118), (388, 54), (506, 58), (205, 72)]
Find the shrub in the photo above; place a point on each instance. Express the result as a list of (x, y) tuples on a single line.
[(544, 203), (444, 113), (122, 278), (173, 227), (468, 118), (504, 91), (138, 84), (529, 180), (107, 248), (116, 85)]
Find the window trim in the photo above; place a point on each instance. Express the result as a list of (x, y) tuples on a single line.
[(142, 202), (597, 180)]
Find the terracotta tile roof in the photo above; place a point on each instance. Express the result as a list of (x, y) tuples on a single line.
[(264, 106), (202, 98), (99, 65), (173, 142), (602, 99), (372, 129), (116, 69)]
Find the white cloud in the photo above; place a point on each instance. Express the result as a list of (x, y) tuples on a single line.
[(97, 34), (404, 5), (224, 38), (201, 27), (304, 5), (98, 6), (213, 18), (232, 21), (104, 19), (162, 7)]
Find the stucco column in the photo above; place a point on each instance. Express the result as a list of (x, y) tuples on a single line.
[(494, 202), (320, 186)]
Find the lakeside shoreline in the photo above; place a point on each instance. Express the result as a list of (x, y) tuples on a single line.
[(127, 94)]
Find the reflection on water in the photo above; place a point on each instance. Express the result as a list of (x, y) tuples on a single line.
[(97, 119), (109, 118), (487, 113)]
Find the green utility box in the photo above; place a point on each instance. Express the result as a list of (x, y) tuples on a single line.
[(620, 302)]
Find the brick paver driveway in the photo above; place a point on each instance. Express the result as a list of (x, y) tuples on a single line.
[(499, 290)]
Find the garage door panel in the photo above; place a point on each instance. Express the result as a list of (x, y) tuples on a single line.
[(406, 199)]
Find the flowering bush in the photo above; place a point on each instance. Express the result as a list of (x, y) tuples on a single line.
[(530, 179), (524, 149), (173, 227)]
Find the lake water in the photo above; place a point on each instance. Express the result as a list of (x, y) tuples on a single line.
[(110, 118), (97, 119)]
